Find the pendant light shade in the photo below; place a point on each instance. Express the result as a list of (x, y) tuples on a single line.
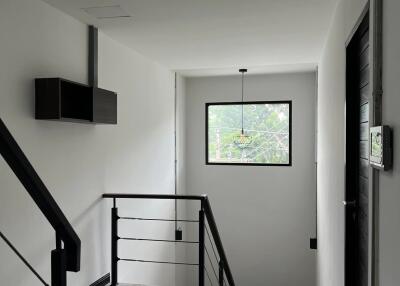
[(242, 140)]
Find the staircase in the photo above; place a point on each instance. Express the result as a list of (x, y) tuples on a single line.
[(218, 272), (213, 267), (67, 254)]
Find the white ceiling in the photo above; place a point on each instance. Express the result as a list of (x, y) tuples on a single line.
[(201, 37)]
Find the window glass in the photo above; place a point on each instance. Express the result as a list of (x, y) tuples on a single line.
[(266, 138)]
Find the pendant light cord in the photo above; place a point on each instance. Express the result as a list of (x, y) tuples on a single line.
[(242, 101), (175, 149)]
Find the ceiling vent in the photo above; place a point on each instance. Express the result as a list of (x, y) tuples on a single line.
[(107, 12)]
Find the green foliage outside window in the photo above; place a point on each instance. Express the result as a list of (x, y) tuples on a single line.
[(267, 124)]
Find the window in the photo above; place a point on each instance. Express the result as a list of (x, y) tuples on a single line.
[(266, 126)]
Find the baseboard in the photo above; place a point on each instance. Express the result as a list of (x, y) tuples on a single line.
[(103, 281)]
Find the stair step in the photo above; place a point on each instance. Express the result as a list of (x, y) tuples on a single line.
[(124, 284)]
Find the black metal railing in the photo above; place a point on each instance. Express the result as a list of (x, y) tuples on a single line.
[(23, 259), (66, 256), (210, 247)]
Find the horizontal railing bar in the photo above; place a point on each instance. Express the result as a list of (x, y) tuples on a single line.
[(213, 249), (158, 219), (217, 239), (212, 265), (208, 275), (208, 213), (158, 262), (158, 240), (212, 246), (22, 259), (154, 197)]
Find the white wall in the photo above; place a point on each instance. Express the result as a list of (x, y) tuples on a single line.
[(79, 162), (331, 144), (266, 215), (389, 187)]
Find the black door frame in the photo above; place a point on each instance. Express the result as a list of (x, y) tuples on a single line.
[(375, 10), (352, 180)]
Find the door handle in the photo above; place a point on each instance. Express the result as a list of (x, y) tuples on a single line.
[(349, 203)]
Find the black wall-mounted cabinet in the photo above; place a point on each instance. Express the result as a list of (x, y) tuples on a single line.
[(64, 100)]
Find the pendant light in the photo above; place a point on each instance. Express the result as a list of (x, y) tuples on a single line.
[(242, 141)]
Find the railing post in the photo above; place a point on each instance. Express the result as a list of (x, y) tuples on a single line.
[(58, 265), (221, 274), (114, 244), (201, 246)]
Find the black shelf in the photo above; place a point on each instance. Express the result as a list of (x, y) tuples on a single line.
[(65, 100)]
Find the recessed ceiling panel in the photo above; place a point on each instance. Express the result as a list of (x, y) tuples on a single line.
[(106, 12)]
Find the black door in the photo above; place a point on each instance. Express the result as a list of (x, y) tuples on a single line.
[(357, 149)]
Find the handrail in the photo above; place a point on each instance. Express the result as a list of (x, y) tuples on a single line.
[(217, 239), (27, 175), (23, 259), (154, 196), (208, 213)]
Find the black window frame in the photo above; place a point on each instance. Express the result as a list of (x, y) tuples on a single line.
[(289, 102)]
